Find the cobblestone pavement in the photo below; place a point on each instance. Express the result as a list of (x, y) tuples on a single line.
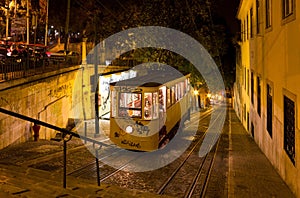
[(241, 169)]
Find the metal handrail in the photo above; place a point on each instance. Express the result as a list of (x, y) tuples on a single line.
[(45, 124), (65, 140)]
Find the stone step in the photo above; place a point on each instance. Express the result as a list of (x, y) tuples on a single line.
[(42, 175), (29, 182)]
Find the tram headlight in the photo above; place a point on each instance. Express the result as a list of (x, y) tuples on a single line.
[(129, 129)]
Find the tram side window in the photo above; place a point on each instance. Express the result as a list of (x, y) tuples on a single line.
[(187, 85), (181, 89), (168, 97), (155, 105), (176, 93), (184, 87), (130, 105), (173, 94), (148, 106), (162, 99)]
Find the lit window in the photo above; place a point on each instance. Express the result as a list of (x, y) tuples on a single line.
[(173, 100), (155, 105), (168, 97), (162, 99), (130, 105), (148, 106)]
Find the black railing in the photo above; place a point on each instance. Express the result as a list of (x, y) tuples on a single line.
[(66, 136), (12, 68)]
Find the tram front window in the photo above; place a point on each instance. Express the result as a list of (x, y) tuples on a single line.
[(130, 105)]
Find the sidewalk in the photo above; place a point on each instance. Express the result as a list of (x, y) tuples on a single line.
[(250, 172)]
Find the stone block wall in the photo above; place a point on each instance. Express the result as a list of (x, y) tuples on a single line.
[(46, 97)]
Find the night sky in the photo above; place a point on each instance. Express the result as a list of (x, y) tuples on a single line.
[(227, 9)]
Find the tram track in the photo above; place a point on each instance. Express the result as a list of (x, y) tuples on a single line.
[(117, 174), (89, 170), (111, 175), (196, 179), (197, 186), (169, 180), (90, 166)]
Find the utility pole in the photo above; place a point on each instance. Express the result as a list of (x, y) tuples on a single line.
[(67, 26), (96, 78), (46, 28), (27, 22), (35, 24)]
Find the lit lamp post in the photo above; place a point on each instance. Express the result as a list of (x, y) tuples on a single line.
[(7, 22), (196, 99)]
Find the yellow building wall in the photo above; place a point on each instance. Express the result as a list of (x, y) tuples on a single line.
[(274, 56)]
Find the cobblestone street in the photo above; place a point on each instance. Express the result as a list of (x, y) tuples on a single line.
[(240, 169)]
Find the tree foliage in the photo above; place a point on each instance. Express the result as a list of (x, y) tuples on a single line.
[(102, 18)]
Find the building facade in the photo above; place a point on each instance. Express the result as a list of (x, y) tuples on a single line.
[(267, 84)]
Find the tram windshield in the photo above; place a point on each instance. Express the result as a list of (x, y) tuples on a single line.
[(130, 105)]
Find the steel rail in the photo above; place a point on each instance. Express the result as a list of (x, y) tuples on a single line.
[(192, 187), (86, 168), (167, 182)]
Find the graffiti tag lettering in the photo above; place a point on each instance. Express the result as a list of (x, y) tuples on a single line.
[(130, 143)]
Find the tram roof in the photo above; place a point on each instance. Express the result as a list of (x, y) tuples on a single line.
[(153, 78)]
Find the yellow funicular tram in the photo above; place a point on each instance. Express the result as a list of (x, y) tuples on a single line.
[(145, 109)]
